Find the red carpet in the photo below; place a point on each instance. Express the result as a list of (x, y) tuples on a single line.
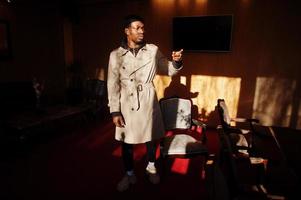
[(85, 164)]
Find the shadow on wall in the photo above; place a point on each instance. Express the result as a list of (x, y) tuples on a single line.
[(204, 91), (178, 89)]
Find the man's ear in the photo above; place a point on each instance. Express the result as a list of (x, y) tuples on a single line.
[(126, 31)]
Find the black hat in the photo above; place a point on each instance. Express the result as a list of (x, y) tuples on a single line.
[(131, 18)]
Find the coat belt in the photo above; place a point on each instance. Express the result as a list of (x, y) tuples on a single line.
[(140, 87)]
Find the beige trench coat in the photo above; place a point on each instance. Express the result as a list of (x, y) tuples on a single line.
[(131, 92)]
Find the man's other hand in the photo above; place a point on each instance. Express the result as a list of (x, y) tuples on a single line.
[(118, 121)]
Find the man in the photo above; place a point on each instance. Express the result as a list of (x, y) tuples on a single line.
[(132, 98)]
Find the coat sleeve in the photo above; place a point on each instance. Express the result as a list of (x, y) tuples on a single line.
[(165, 66), (113, 83)]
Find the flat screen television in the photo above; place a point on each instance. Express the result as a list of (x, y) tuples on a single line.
[(203, 33)]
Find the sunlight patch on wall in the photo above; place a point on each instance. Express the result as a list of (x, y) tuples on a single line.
[(273, 100), (211, 88), (183, 80), (161, 83)]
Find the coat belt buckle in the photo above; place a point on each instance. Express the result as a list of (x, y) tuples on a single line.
[(139, 87)]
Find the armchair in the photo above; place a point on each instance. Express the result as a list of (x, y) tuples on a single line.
[(241, 139), (180, 141)]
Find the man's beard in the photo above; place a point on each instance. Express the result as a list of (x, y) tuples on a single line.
[(140, 42)]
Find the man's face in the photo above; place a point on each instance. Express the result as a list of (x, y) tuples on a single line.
[(135, 32)]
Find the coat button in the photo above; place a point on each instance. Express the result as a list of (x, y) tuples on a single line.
[(131, 79), (132, 109), (123, 67), (132, 94)]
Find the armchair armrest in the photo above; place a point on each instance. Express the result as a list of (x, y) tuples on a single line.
[(203, 125), (199, 123), (250, 120)]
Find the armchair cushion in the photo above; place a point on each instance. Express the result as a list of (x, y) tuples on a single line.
[(182, 144)]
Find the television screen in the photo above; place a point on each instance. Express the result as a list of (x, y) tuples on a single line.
[(203, 33)]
